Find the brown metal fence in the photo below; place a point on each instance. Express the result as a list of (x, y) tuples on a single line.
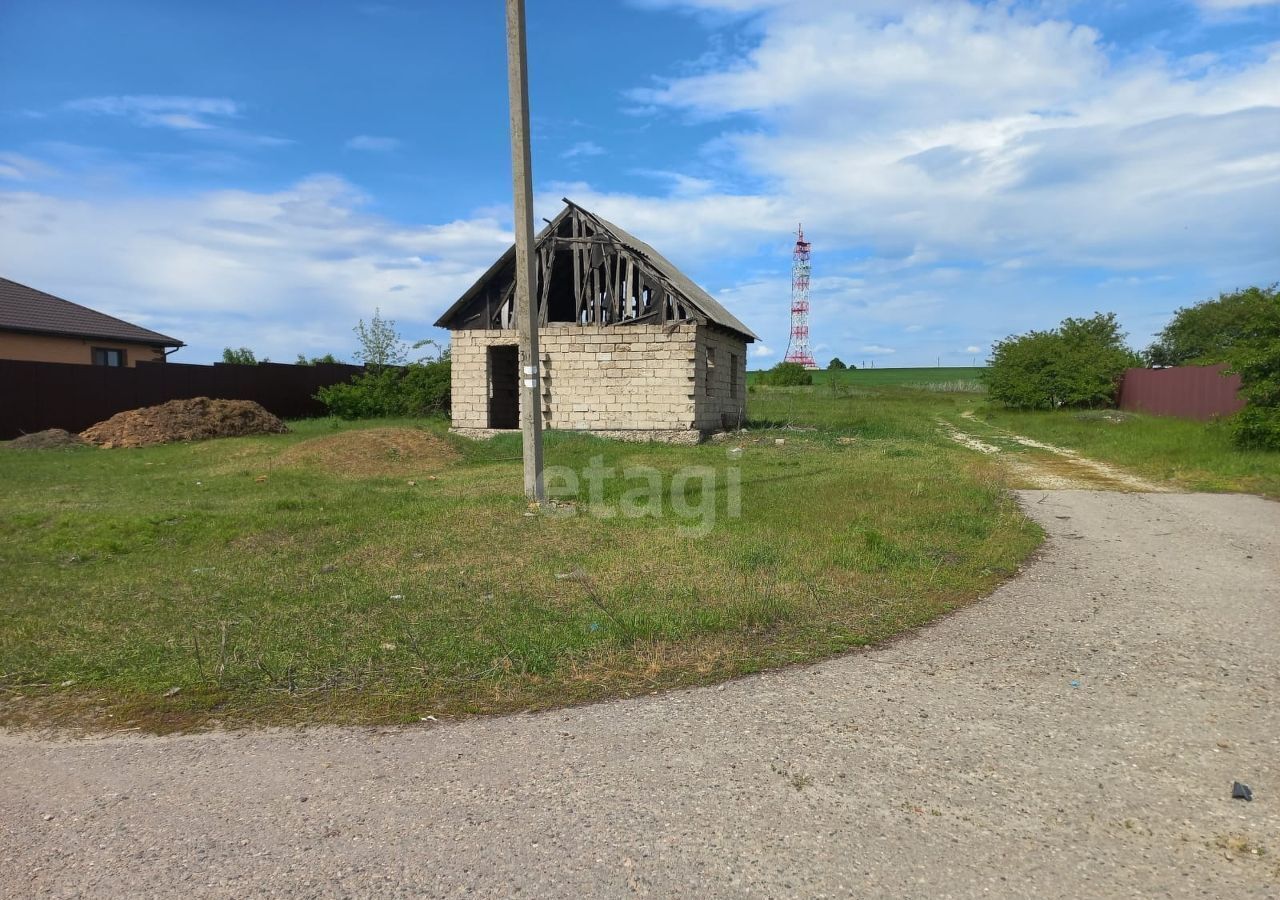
[(39, 395), (1190, 392)]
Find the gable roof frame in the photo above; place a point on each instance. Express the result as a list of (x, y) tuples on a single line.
[(658, 267)]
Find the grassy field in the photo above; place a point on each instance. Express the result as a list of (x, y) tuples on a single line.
[(1197, 456), (387, 571), (961, 378)]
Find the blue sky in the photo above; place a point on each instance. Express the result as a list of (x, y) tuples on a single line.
[(265, 174)]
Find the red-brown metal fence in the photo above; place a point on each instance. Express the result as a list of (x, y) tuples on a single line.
[(39, 395), (1190, 392)]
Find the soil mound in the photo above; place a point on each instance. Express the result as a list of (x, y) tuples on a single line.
[(49, 439), (371, 451), (196, 419)]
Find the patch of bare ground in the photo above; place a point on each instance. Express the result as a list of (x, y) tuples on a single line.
[(372, 451)]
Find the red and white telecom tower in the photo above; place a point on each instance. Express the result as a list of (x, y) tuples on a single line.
[(798, 346)]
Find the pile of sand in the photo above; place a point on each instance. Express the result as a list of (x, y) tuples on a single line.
[(49, 439), (371, 451), (183, 420)]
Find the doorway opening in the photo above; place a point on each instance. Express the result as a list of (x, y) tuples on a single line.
[(504, 386)]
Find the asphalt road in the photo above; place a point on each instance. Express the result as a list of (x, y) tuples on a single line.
[(1075, 735)]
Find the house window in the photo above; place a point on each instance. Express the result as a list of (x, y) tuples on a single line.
[(107, 356), (711, 370), (733, 375)]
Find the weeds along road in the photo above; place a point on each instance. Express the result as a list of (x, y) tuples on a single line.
[(1074, 735)]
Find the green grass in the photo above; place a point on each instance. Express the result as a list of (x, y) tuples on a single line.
[(324, 595), (1197, 456), (946, 378)]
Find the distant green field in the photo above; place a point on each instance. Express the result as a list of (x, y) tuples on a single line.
[(916, 377)]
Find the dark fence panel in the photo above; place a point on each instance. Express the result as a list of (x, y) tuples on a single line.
[(39, 395), (1190, 392)]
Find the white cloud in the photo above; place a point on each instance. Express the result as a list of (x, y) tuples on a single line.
[(683, 227), (965, 159), (282, 272), (960, 163), (678, 183), (205, 118), (728, 6), (17, 167), (1220, 5), (373, 143), (840, 60), (182, 113), (985, 131), (583, 148), (876, 350), (973, 348)]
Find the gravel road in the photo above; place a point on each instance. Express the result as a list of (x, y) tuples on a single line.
[(1076, 734)]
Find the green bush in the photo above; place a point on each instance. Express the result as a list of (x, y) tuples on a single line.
[(1241, 329), (418, 389), (1078, 364), (388, 387), (1208, 332), (1255, 357), (836, 365), (1256, 428), (786, 374), (428, 386)]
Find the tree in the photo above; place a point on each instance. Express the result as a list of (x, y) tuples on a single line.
[(787, 374), (380, 343), (1077, 364), (1254, 355), (239, 357), (836, 365), (1241, 329), (1207, 332), (441, 353), (327, 360)]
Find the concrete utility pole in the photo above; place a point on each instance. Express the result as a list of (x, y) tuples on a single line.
[(526, 273)]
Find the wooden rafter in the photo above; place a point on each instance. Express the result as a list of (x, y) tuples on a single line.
[(610, 282)]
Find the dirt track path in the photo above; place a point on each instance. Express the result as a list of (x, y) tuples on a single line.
[(1035, 464), (1074, 735)]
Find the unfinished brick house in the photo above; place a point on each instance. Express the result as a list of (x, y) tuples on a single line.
[(630, 347)]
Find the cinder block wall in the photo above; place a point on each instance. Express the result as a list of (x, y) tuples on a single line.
[(615, 379), (721, 380), (594, 378)]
